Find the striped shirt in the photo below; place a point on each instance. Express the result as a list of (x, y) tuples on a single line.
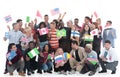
[(53, 39)]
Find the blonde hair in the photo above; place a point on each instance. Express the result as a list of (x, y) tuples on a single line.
[(89, 46), (28, 30)]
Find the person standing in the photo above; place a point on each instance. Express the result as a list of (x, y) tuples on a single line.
[(109, 33)]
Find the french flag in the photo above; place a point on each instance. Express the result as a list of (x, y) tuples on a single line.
[(55, 11)]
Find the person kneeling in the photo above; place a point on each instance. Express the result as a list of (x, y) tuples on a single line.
[(14, 60)]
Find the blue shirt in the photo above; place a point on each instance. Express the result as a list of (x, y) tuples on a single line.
[(15, 36)]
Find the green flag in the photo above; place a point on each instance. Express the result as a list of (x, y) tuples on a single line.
[(34, 52), (61, 33), (27, 19), (89, 38), (49, 57)]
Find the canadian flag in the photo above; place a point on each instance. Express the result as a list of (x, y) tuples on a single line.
[(43, 31), (94, 32)]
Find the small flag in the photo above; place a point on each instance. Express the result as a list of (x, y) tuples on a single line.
[(75, 33), (11, 55), (34, 52), (55, 11), (38, 14), (61, 33), (96, 15), (66, 56), (89, 38), (7, 35), (94, 32), (92, 60), (58, 59), (43, 31), (27, 19), (50, 56), (8, 18), (24, 39)]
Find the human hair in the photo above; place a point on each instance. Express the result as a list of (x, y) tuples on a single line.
[(10, 46), (45, 15), (107, 41), (89, 46), (83, 31), (32, 42), (74, 42), (76, 19), (109, 21), (19, 20), (49, 51), (96, 25), (42, 23), (87, 18)]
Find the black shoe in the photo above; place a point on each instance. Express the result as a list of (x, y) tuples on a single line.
[(5, 72), (49, 72), (28, 73), (113, 72), (39, 71), (103, 71)]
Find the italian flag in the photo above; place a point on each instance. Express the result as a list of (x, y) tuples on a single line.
[(34, 52)]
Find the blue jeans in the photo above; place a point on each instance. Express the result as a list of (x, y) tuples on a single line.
[(42, 44), (46, 66)]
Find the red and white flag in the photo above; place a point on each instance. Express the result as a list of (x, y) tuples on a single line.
[(96, 15), (38, 14), (43, 31), (94, 32)]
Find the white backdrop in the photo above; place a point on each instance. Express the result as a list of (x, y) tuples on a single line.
[(106, 9)]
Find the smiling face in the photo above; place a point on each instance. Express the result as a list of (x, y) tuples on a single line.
[(107, 46)]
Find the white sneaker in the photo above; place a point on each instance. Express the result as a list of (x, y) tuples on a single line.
[(71, 72)]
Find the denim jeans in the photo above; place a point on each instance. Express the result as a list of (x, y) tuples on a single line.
[(46, 66), (42, 44)]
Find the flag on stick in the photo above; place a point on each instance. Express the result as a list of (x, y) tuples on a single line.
[(55, 11), (38, 14), (27, 19), (34, 52), (94, 32), (8, 18)]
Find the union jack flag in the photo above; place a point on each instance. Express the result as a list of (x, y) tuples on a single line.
[(8, 18)]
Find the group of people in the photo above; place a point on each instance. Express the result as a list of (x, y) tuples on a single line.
[(85, 53)]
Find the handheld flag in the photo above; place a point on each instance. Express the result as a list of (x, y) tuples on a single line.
[(34, 52), (61, 33), (94, 32), (75, 33), (8, 18), (11, 55), (89, 38), (55, 11), (96, 15), (58, 59), (24, 39), (66, 56), (43, 31), (7, 35), (27, 19), (38, 14), (92, 60)]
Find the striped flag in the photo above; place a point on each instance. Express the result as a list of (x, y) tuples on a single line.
[(55, 11), (66, 56), (92, 60), (43, 31), (75, 33), (89, 38), (8, 18), (59, 58), (34, 52)]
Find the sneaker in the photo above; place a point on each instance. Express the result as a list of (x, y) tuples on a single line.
[(113, 72), (11, 74), (32, 72), (103, 71), (91, 73), (28, 73)]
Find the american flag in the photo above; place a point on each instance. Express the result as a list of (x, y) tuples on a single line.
[(8, 18), (55, 11)]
